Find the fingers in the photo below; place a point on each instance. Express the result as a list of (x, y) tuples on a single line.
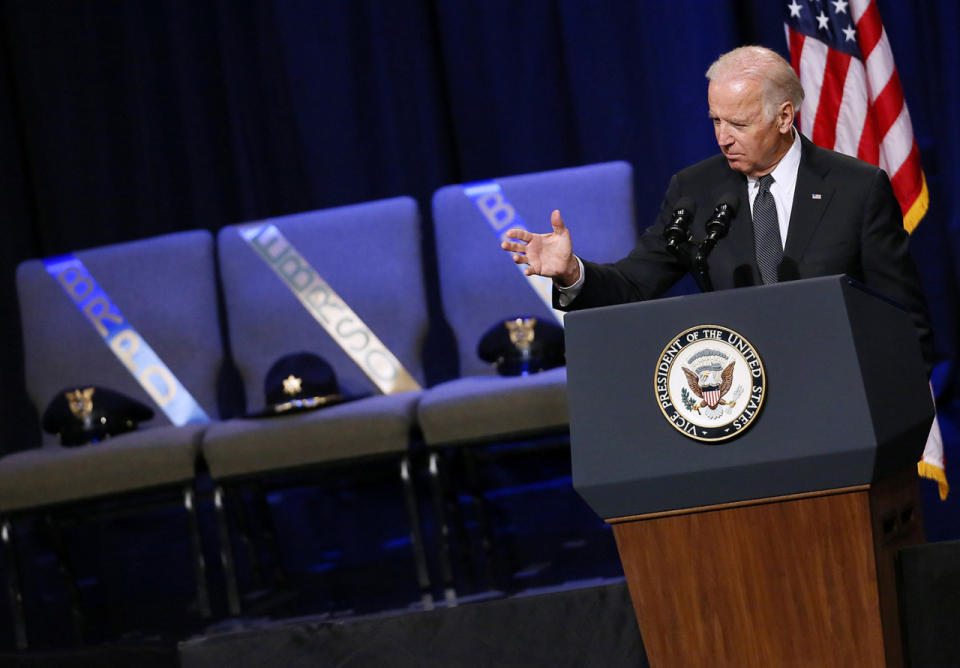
[(513, 246), (516, 240), (557, 222), (519, 234)]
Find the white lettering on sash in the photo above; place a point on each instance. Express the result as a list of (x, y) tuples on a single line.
[(328, 309)]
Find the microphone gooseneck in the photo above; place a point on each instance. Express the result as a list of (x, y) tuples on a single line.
[(716, 227)]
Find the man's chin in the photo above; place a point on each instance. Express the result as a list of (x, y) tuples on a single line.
[(736, 164)]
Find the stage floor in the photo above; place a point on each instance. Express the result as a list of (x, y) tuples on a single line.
[(549, 593)]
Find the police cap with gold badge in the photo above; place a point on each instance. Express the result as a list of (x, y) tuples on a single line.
[(90, 414), (522, 345), (298, 382)]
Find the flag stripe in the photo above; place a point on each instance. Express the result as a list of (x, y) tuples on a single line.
[(908, 180), (853, 110), (795, 40), (814, 57), (831, 94), (869, 149), (869, 29), (857, 8), (888, 105), (896, 146), (880, 68)]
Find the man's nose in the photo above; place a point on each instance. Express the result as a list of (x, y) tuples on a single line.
[(723, 136)]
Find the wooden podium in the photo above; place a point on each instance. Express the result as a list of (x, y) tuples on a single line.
[(775, 547)]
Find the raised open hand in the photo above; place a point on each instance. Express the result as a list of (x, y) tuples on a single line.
[(549, 255)]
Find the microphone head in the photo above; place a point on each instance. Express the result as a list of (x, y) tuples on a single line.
[(676, 231), (731, 201), (723, 213), (687, 204)]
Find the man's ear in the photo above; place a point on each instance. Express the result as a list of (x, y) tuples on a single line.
[(785, 117)]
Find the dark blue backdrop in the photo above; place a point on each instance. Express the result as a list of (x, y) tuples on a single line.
[(120, 120)]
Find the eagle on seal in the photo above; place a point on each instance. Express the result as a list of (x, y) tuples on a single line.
[(709, 388)]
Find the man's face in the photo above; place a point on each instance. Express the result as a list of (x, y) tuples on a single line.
[(750, 142)]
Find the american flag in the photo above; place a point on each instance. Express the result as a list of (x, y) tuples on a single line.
[(854, 101), (854, 104)]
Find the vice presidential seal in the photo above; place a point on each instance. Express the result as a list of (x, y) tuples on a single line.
[(710, 383)]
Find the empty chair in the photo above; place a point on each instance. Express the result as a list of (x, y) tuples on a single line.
[(341, 288), (481, 286), (137, 319)]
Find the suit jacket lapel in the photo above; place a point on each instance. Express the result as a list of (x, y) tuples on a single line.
[(810, 200), (739, 242)]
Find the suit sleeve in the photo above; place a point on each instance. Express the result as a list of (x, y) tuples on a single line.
[(886, 261), (647, 272)]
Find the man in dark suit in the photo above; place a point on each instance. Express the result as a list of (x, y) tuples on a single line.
[(802, 211)]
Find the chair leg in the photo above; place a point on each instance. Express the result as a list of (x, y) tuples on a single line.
[(66, 571), (14, 590), (443, 529), (199, 563), (269, 532), (243, 530), (226, 553), (416, 535), (483, 519)]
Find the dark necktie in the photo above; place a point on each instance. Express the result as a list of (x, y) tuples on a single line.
[(766, 232)]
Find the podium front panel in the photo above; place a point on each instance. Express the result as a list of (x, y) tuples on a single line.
[(815, 431)]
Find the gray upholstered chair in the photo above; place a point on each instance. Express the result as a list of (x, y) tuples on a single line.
[(368, 255), (480, 286), (165, 289)]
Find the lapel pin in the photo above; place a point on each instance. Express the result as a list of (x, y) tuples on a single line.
[(816, 196)]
